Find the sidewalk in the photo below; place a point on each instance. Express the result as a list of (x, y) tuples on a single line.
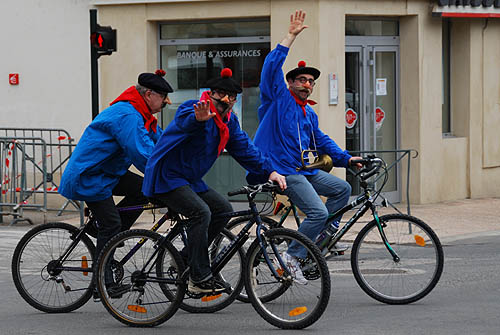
[(450, 220)]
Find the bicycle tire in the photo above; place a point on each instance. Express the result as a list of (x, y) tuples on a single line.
[(306, 303), (231, 273), (142, 302), (67, 291), (419, 268), (234, 226)]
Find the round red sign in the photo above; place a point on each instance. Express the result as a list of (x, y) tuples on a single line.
[(350, 118)]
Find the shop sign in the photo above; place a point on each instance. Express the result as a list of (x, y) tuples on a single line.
[(218, 54), (350, 118), (467, 8), (379, 117)]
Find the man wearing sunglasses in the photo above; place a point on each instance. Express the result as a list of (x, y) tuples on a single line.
[(200, 132), (121, 135), (289, 125)]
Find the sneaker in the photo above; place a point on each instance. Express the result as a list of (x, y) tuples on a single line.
[(339, 247), (293, 265), (211, 285), (116, 291), (96, 296)]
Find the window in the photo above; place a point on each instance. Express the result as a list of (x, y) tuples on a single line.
[(194, 52)]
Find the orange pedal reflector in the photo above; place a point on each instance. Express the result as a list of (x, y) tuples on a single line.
[(211, 297), (85, 265), (297, 311), (135, 308), (419, 240), (280, 271)]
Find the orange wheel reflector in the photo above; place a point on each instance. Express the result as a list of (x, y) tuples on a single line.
[(419, 240), (135, 308), (297, 311), (85, 265), (211, 297), (280, 271)]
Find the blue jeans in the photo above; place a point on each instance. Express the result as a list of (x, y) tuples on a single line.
[(304, 192), (204, 226)]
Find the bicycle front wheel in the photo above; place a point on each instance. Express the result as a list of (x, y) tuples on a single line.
[(231, 273), (404, 280), (296, 305), (235, 226), (45, 283), (127, 262)]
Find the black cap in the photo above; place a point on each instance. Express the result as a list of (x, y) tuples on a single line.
[(155, 82), (224, 82), (303, 69)]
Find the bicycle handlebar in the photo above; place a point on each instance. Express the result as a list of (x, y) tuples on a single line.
[(371, 166), (254, 189)]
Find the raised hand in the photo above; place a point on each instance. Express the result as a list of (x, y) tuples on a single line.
[(202, 111), (297, 22)]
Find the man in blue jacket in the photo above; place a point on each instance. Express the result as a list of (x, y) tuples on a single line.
[(187, 149), (289, 125), (121, 135)]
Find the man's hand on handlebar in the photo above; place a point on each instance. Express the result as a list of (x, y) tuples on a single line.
[(353, 163), (281, 180)]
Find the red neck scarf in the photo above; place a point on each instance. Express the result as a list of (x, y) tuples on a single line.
[(132, 95), (302, 103), (223, 129)]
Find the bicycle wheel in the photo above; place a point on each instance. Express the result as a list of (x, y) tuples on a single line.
[(235, 226), (410, 278), (141, 301), (298, 306), (37, 253), (231, 273)]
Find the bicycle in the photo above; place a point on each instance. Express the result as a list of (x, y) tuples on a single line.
[(52, 265), (395, 258), (155, 278)]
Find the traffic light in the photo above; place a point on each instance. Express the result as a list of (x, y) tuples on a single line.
[(103, 40)]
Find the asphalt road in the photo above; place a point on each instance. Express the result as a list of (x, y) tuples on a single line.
[(466, 301)]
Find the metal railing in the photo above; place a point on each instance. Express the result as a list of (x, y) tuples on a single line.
[(31, 165), (402, 154)]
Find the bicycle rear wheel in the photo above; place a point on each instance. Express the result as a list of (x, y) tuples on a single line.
[(231, 273), (411, 277), (297, 305), (235, 226), (37, 253), (141, 301)]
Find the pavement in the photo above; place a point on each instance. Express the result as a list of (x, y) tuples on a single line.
[(451, 220)]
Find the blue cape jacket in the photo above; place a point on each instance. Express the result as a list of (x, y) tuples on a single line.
[(282, 122), (112, 142), (187, 149)]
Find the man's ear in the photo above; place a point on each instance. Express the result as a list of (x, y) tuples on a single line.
[(290, 81)]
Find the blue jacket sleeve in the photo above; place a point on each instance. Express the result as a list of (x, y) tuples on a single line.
[(328, 146), (272, 83), (241, 148), (185, 118), (134, 139)]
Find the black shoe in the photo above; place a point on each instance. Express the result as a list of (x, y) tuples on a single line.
[(96, 296), (212, 285), (116, 291)]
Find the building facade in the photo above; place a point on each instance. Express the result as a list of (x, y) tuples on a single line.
[(396, 75)]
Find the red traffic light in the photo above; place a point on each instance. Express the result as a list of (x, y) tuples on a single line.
[(103, 40)]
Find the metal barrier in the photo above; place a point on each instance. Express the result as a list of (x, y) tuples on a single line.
[(404, 153), (40, 156)]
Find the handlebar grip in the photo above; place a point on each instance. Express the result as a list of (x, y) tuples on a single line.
[(240, 191), (362, 161), (369, 174)]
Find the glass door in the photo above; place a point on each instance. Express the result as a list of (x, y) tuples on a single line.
[(372, 100)]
